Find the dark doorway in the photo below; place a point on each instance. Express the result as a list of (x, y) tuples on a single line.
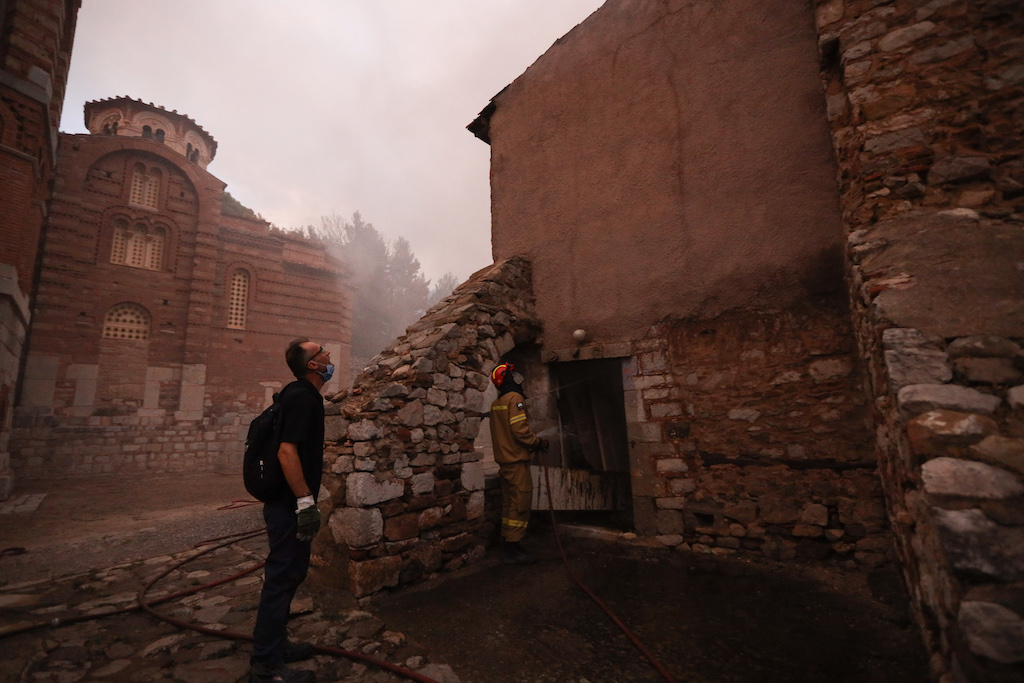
[(589, 468)]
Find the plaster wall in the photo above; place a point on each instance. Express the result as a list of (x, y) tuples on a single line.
[(667, 159)]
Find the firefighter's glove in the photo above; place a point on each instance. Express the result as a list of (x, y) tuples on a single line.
[(542, 445), (308, 518)]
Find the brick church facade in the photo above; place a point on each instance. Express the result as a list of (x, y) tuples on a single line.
[(163, 307)]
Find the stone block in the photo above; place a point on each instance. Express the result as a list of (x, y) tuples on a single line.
[(411, 414), (475, 506), (356, 527), (362, 489), (370, 576), (335, 428), (958, 169), (432, 415), (437, 397), (918, 398), (472, 476), (814, 513), (362, 449), (978, 546), (748, 414), (829, 368), (916, 366), (969, 479), (401, 527), (364, 430), (1000, 451), (938, 431), (906, 338), (430, 517), (673, 465), (992, 631), (422, 483), (904, 36), (807, 531), (995, 371), (744, 512), (670, 503), (982, 346), (669, 522), (779, 510)]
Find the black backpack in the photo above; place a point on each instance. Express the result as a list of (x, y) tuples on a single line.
[(261, 470)]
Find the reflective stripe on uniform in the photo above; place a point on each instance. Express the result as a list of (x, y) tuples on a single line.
[(499, 407), (517, 418), (512, 522)]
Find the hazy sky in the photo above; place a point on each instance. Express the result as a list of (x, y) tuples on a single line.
[(323, 106)]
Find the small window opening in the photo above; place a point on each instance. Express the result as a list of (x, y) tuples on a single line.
[(238, 298), (147, 132), (159, 135), (126, 321)]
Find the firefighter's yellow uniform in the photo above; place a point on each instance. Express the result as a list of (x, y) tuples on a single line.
[(513, 441)]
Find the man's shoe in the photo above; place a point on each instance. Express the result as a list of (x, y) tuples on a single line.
[(513, 553), (296, 652), (279, 674)]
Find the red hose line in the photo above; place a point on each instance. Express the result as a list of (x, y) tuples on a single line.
[(57, 622), (600, 603), (232, 635)]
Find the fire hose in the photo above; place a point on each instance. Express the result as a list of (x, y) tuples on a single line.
[(600, 603), (146, 605)]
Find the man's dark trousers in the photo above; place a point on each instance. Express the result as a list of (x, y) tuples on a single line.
[(286, 568)]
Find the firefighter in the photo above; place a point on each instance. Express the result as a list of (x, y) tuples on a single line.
[(514, 444)]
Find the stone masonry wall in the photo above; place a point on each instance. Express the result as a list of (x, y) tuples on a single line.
[(750, 433), (926, 106), (403, 484), (116, 444)]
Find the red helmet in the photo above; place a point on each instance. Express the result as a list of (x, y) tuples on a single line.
[(499, 372)]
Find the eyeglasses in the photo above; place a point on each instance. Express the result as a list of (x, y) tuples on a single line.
[(315, 354)]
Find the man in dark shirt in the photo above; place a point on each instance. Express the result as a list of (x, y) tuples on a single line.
[(292, 517)]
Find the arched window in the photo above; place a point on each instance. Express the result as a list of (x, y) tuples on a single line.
[(159, 134), (147, 132), (120, 245), (126, 321), (238, 299), (155, 249), (138, 246), (145, 187), (138, 185)]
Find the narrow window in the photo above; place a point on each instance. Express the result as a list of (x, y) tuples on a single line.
[(138, 192), (147, 132), (120, 245), (126, 321), (239, 296), (135, 253), (145, 187), (159, 135), (152, 189), (155, 251)]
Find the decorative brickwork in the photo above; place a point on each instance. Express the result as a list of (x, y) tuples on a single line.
[(160, 323), (404, 483), (925, 102)]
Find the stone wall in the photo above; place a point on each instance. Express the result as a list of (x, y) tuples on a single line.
[(403, 488), (750, 433), (925, 100)]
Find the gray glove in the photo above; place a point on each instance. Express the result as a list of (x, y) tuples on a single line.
[(309, 523)]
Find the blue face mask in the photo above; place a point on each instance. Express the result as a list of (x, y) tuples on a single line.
[(327, 373)]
